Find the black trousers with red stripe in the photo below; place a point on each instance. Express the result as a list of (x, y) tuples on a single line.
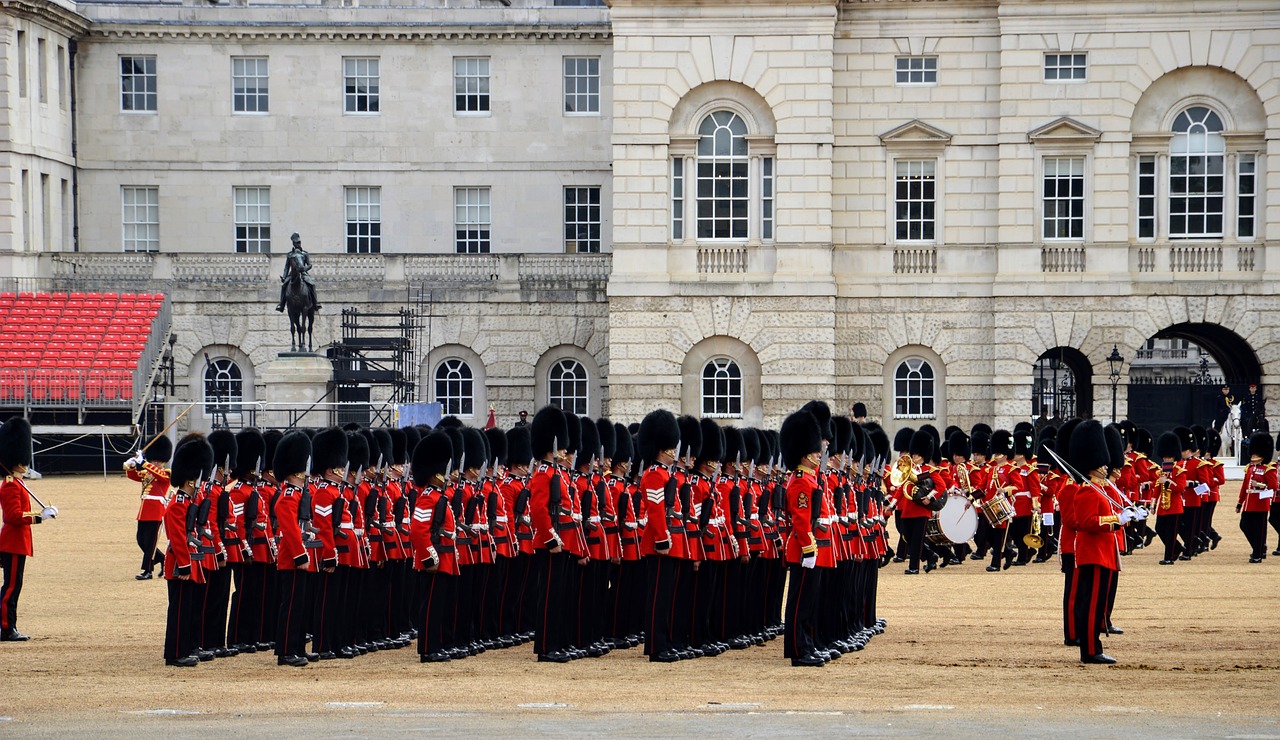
[(330, 610), (913, 531), (804, 593), (13, 567), (1068, 560), (514, 593), (660, 572), (1167, 529), (291, 622), (244, 621), (1254, 526), (1093, 585), (179, 635), (438, 593), (217, 596), (555, 620), (148, 534), (706, 588)]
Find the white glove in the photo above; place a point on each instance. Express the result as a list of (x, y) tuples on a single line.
[(139, 459), (1141, 514), (49, 512), (1126, 516), (809, 561)]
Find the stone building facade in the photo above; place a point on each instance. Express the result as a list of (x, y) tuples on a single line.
[(720, 208)]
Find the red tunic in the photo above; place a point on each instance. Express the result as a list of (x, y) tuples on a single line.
[(549, 484), (235, 537), (433, 532), (1250, 500), (178, 558), (801, 540), (291, 555), (1066, 510), (257, 519), (155, 488), (15, 535), (660, 529), (1094, 519)]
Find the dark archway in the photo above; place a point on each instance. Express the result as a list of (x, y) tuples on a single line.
[(1188, 365), (1062, 384)]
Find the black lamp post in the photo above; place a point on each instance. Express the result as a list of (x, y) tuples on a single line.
[(1115, 361)]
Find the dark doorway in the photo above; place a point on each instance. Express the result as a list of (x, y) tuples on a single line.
[(1177, 375), (1062, 385)]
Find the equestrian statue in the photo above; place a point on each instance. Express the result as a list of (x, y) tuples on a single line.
[(298, 293)]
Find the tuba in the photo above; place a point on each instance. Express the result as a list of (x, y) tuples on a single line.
[(903, 472)]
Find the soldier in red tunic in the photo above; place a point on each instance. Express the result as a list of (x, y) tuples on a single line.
[(1256, 492), (148, 468), (244, 621), (293, 563), (192, 462), (661, 545), (517, 605), (801, 442), (432, 535), (18, 517), (1096, 520), (555, 536)]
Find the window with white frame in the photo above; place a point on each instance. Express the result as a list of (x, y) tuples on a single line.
[(677, 199), (140, 218), (722, 177), (362, 84), (582, 219), (1064, 67), (1197, 179), (472, 217), (455, 387), (913, 391), (249, 88), (471, 84), (1147, 196), (364, 220), (722, 389), (253, 220), (223, 390), (915, 193), (1062, 199), (915, 70), (582, 84), (1246, 195), (567, 386), (138, 84)]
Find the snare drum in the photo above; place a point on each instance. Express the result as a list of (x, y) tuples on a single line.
[(933, 532), (998, 509)]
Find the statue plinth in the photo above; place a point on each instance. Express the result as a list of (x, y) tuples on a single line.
[(295, 381)]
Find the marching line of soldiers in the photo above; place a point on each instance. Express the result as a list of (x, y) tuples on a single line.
[(573, 533)]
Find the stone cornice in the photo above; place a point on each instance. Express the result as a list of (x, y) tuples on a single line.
[(60, 18), (345, 31)]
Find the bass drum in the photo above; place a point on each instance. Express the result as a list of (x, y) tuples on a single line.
[(958, 519)]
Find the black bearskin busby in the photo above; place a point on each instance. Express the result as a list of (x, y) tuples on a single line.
[(15, 443), (1168, 447), (608, 437), (574, 427), (958, 444), (1115, 447), (328, 450), (751, 446), (623, 450), (384, 453), (801, 435), (357, 451), (399, 446), (712, 442), (223, 442), (519, 451), (922, 444), (1089, 447), (859, 410), (193, 460), (251, 449), (733, 451), (822, 412), (1001, 443), (431, 458), (588, 441), (659, 431), (980, 443), (161, 449), (412, 436), (690, 436), (496, 439), (1262, 445), (548, 432), (473, 445), (902, 440), (1024, 443), (1185, 438)]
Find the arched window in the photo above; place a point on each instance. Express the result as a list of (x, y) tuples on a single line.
[(223, 392), (722, 192), (567, 386), (722, 389), (455, 387), (913, 389), (1197, 181)]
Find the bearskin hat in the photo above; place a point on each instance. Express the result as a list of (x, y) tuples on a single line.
[(193, 460), (431, 458), (574, 442), (496, 439), (250, 453), (161, 450), (958, 444), (733, 451), (712, 442), (399, 446), (800, 436), (1024, 426), (860, 410), (950, 430), (223, 442), (1064, 439), (1168, 446), (459, 446), (623, 450), (1130, 430), (473, 445), (1212, 443), (548, 432), (690, 436), (932, 431), (980, 427), (822, 412), (608, 436), (412, 436), (328, 450), (1200, 437), (588, 441), (1262, 445), (943, 452), (450, 422), (902, 440), (775, 443), (1185, 438), (659, 431), (879, 446), (1142, 442), (1024, 443), (980, 443), (1089, 447), (1042, 453), (751, 446), (357, 451), (857, 442), (922, 444), (519, 451), (1001, 443), (385, 451), (1115, 447), (1048, 431), (270, 439), (843, 434)]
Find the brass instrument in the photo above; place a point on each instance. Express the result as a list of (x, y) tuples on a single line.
[(903, 472), (1033, 539), (1166, 490)]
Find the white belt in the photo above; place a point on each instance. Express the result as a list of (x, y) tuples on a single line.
[(346, 525), (501, 520), (594, 520), (153, 498), (359, 532), (576, 517), (1022, 494), (824, 521)]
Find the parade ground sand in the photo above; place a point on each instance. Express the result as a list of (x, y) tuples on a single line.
[(966, 653)]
